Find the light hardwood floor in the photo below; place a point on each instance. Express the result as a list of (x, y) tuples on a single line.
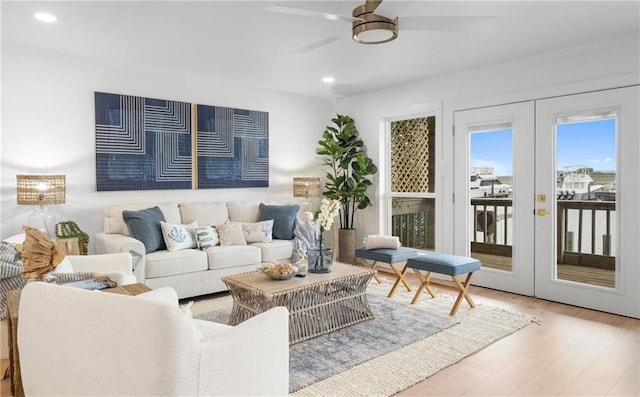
[(572, 352)]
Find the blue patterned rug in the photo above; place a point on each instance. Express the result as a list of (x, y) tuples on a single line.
[(396, 325)]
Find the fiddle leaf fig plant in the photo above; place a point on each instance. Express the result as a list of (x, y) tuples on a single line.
[(350, 169)]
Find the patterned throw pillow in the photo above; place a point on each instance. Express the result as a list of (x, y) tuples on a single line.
[(231, 234), (178, 237), (258, 232), (206, 236)]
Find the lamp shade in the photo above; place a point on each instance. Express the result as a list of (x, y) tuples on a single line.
[(306, 187), (40, 189)]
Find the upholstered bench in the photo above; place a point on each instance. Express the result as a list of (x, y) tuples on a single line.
[(392, 257), (450, 265)]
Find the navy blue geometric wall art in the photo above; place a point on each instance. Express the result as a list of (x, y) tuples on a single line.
[(142, 143), (232, 147)]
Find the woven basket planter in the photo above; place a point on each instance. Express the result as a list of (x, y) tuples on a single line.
[(347, 246)]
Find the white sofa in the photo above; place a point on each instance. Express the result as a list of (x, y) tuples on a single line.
[(75, 342), (116, 266), (191, 272)]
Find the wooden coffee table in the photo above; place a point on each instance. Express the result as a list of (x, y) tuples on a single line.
[(318, 303)]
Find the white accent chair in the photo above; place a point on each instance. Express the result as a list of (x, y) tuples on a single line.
[(116, 266), (77, 342)]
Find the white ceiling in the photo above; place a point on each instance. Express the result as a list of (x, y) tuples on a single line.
[(243, 42)]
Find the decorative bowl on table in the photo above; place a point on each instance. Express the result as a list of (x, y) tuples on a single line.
[(279, 271)]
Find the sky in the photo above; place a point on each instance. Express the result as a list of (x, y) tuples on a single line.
[(589, 143)]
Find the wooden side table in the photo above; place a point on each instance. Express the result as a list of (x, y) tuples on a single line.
[(13, 306)]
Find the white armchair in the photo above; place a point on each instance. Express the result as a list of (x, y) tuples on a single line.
[(77, 342), (116, 266)]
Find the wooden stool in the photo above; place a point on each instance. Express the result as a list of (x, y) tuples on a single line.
[(450, 265), (393, 257)]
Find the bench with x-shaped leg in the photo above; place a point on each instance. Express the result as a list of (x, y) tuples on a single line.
[(446, 264), (395, 258)]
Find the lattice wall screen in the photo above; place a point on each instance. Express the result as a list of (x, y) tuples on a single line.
[(410, 149)]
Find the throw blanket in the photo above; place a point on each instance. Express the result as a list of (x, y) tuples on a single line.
[(306, 234)]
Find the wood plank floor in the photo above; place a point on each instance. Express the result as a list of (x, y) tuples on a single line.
[(572, 352)]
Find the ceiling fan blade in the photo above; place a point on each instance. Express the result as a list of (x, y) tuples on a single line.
[(464, 24), (317, 44), (310, 13), (392, 8)]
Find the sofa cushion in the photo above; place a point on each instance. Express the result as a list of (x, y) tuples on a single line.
[(206, 236), (231, 234), (284, 217), (232, 256), (212, 213), (275, 250), (165, 263), (113, 222), (178, 237), (144, 225), (258, 232), (244, 211)]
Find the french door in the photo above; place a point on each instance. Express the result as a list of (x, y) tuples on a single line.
[(494, 174), (546, 196), (587, 246)]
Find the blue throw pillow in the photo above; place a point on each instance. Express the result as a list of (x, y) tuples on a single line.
[(144, 225), (284, 218)]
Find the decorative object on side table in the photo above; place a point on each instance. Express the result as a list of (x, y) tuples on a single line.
[(343, 151), (40, 255), (69, 230), (320, 259)]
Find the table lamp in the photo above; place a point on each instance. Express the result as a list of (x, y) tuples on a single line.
[(41, 190), (306, 187)]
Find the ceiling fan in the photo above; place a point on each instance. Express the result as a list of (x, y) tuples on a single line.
[(377, 22)]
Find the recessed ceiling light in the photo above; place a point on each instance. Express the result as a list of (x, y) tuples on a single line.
[(45, 17), (328, 79)]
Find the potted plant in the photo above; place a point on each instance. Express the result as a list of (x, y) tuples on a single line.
[(348, 177)]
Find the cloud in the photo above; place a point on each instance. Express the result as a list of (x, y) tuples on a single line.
[(608, 160)]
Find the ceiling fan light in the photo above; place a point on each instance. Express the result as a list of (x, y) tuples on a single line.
[(375, 33), (369, 28)]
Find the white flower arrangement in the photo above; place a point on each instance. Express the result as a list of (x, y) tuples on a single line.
[(329, 209)]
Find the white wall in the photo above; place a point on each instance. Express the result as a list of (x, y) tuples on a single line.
[(48, 127), (609, 63)]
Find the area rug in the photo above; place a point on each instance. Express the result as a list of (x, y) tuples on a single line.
[(391, 372), (395, 325)]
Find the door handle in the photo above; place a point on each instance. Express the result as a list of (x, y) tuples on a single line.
[(542, 212)]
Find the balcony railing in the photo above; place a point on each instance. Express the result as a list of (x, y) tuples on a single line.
[(584, 230), (592, 224)]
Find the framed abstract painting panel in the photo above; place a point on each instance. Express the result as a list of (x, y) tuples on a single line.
[(232, 147), (142, 143)]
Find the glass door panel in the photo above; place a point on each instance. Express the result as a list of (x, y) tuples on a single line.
[(586, 208), (490, 194)]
